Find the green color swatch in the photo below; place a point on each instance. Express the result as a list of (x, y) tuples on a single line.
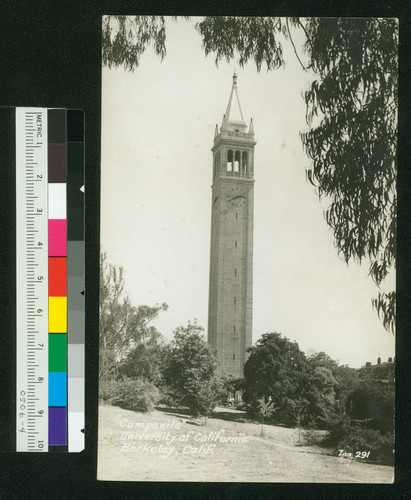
[(57, 352)]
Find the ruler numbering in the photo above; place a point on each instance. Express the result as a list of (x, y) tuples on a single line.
[(32, 280)]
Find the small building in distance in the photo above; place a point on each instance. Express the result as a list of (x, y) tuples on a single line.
[(382, 371)]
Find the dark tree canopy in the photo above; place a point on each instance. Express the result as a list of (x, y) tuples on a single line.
[(191, 370), (250, 37), (146, 360), (125, 38), (351, 109), (276, 370), (352, 106)]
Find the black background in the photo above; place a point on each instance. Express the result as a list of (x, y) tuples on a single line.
[(50, 56)]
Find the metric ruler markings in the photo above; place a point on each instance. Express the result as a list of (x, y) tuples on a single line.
[(31, 280)]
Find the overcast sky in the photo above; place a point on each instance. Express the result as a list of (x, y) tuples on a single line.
[(157, 132)]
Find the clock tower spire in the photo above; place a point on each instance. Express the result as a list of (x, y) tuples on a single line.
[(231, 255)]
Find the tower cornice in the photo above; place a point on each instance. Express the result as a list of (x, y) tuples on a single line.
[(234, 179), (239, 139)]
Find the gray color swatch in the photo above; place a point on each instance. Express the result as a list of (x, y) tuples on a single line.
[(75, 360), (75, 258), (75, 285), (76, 394), (75, 333)]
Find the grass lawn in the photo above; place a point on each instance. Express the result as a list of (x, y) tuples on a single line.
[(167, 446)]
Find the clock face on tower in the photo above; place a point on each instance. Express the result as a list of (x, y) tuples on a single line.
[(237, 201), (236, 197)]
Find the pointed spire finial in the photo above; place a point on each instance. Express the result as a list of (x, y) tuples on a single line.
[(216, 131), (235, 80), (251, 127), (234, 90)]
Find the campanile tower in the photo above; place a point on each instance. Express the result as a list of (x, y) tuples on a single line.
[(231, 260)]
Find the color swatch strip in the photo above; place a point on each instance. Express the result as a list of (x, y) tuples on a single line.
[(48, 154), (75, 278), (66, 279), (57, 249)]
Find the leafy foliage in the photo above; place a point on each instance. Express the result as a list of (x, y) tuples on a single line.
[(276, 368), (130, 394), (231, 385), (123, 327), (329, 388), (380, 446), (250, 37), (299, 410), (385, 304), (321, 396), (347, 380), (373, 403), (125, 38), (351, 107), (314, 391), (368, 422), (354, 147), (107, 390), (191, 371), (310, 434), (265, 409), (146, 360)]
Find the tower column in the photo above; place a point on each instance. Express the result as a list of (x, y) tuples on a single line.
[(231, 254)]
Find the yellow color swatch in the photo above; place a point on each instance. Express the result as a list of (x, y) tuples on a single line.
[(57, 314)]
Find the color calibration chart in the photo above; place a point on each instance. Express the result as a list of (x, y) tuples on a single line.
[(49, 280)]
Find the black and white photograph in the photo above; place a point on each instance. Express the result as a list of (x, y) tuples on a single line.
[(248, 249)]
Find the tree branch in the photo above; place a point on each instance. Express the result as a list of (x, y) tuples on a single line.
[(305, 31), (292, 42)]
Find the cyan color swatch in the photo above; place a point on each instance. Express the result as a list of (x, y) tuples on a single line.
[(58, 389)]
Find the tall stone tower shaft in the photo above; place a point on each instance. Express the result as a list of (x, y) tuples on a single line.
[(231, 256)]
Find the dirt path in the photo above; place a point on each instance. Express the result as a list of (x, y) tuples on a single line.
[(165, 447)]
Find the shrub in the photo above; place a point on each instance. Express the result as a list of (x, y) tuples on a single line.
[(374, 401), (379, 445), (130, 394), (107, 390), (338, 431), (310, 433), (240, 406), (169, 398), (252, 408)]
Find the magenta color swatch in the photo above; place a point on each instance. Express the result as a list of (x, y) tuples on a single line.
[(57, 237)]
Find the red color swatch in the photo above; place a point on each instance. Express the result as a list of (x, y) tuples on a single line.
[(57, 276)]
